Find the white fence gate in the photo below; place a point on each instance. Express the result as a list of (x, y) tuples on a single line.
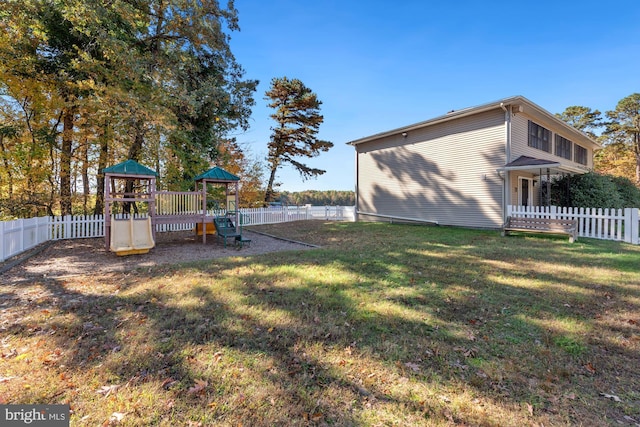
[(608, 224), (23, 234)]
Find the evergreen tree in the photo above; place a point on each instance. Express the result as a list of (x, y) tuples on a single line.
[(582, 118), (625, 127), (298, 118)]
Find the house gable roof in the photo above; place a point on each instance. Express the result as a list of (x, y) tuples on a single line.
[(130, 167), (510, 102)]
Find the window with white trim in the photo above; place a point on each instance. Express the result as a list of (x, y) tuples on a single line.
[(563, 147), (539, 137)]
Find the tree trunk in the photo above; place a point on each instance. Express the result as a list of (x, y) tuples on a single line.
[(268, 195), (103, 158), (85, 177), (65, 162), (636, 149), (134, 154), (7, 168), (138, 141)]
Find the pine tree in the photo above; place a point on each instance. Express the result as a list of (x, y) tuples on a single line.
[(625, 126), (298, 118)]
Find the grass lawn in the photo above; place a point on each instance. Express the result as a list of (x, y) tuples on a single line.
[(387, 324)]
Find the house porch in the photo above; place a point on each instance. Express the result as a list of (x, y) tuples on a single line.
[(528, 180)]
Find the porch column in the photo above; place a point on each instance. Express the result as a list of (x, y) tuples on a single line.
[(548, 187), (506, 194), (540, 201)]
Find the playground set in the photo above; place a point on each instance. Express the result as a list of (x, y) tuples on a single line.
[(129, 183)]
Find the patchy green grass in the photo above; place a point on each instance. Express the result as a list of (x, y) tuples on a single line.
[(385, 325)]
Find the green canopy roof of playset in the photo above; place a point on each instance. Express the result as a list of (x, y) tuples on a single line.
[(216, 174), (130, 167)]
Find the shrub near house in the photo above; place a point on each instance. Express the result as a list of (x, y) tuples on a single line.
[(595, 190)]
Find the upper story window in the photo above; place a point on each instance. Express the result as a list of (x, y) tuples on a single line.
[(580, 155), (563, 147), (539, 137)]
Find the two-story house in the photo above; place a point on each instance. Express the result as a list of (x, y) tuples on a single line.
[(464, 168)]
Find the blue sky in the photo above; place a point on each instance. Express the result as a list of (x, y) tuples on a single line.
[(377, 66)]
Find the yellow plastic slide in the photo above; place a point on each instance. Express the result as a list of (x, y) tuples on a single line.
[(131, 236)]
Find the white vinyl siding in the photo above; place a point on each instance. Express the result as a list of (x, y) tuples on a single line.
[(445, 172), (520, 147)]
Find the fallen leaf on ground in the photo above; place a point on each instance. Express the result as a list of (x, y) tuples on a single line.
[(117, 416), (198, 387), (530, 409), (166, 384), (414, 367), (611, 396), (106, 390)]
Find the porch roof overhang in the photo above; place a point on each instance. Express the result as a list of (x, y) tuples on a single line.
[(534, 166)]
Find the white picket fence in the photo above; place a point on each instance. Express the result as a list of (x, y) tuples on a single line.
[(23, 234), (609, 224)]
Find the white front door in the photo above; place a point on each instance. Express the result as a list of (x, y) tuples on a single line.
[(525, 191)]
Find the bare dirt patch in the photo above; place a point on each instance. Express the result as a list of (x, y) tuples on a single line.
[(89, 256)]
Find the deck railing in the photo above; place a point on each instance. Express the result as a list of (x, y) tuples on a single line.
[(178, 202)]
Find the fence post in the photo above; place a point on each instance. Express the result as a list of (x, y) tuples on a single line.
[(43, 229), (619, 225), (627, 225), (21, 240), (635, 218)]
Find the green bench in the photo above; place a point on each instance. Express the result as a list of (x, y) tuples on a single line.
[(226, 229)]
